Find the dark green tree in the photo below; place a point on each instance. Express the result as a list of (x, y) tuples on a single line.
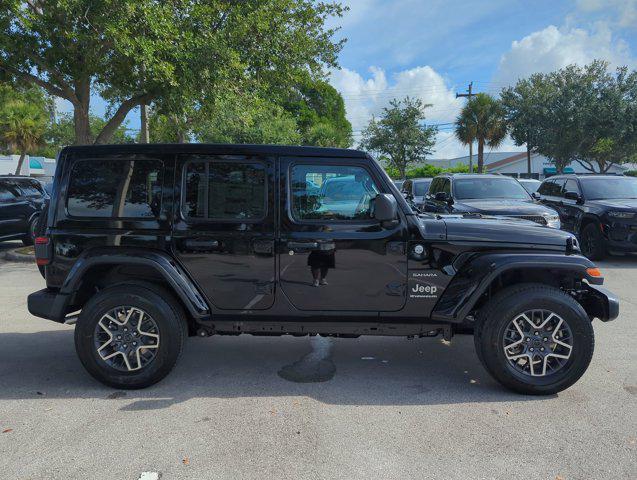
[(320, 114), (400, 134), (134, 52), (525, 104)]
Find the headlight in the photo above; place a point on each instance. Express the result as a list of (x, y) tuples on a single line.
[(621, 214), (552, 221)]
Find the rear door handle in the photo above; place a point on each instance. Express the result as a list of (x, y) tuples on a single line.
[(200, 244)]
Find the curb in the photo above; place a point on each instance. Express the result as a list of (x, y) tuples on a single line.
[(14, 256)]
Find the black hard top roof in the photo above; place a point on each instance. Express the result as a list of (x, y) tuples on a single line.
[(214, 148)]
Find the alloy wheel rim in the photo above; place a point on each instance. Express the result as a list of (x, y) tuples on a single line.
[(537, 343), (33, 230), (127, 338)]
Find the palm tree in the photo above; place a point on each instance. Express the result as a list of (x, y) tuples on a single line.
[(22, 126), (481, 120)]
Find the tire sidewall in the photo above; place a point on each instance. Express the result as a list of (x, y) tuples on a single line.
[(170, 334), (32, 232), (576, 318), (599, 252)]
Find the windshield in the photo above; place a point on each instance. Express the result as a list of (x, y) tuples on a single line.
[(421, 188), (531, 187), (601, 188), (479, 188)]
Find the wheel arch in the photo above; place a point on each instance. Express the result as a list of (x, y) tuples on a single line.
[(485, 275), (586, 220), (101, 268)]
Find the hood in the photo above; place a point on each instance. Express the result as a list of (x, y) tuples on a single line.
[(619, 203), (503, 230), (504, 206)]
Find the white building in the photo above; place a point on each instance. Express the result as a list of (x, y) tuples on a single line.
[(32, 166), (515, 164)]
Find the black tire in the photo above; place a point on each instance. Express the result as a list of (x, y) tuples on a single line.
[(592, 242), (29, 238), (162, 308), (495, 317)]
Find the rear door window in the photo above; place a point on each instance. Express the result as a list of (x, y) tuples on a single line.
[(6, 194), (115, 188), (225, 189)]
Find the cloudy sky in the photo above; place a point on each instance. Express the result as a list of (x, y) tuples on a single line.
[(432, 49)]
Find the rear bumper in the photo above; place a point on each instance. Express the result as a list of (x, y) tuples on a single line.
[(48, 304), (602, 303)]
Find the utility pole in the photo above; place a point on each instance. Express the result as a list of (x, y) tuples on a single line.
[(469, 95)]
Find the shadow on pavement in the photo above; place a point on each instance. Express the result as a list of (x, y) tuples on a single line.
[(367, 371), (618, 261), (4, 246)]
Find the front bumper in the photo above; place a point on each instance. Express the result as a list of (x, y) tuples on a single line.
[(621, 235), (48, 304), (601, 303)]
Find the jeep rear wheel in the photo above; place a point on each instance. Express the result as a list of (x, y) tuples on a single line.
[(534, 339), (130, 336)]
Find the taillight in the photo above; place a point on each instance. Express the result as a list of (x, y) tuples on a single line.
[(42, 251)]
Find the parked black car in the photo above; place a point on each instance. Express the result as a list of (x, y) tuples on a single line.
[(415, 190), (600, 209), (21, 202), (152, 243), (487, 195)]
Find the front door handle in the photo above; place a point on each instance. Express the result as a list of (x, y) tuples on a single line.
[(303, 245), (200, 245)]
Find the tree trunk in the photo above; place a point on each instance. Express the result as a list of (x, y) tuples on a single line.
[(119, 116), (528, 159), (144, 135), (480, 155), (82, 125), (20, 162)]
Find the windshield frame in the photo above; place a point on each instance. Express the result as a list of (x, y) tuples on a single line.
[(527, 195)]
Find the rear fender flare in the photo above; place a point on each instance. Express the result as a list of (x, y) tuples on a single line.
[(162, 263)]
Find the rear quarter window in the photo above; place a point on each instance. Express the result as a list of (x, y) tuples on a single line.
[(115, 188)]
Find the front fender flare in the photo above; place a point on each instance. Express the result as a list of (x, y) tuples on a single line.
[(477, 273)]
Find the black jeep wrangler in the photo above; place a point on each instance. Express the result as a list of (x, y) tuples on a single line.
[(144, 245)]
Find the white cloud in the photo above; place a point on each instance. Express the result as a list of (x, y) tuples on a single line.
[(553, 48), (623, 12), (365, 97)]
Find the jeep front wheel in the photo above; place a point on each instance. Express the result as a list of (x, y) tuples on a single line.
[(130, 336), (534, 339)]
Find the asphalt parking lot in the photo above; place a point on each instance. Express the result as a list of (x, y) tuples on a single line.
[(389, 408)]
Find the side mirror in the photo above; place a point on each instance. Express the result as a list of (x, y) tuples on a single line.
[(572, 196), (536, 196), (385, 208), (443, 197)]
